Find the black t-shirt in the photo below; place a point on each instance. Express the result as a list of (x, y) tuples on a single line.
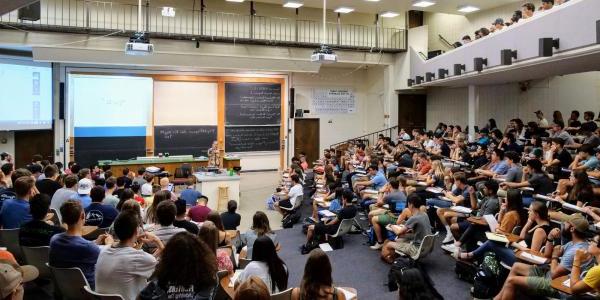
[(37, 233), (445, 150), (541, 184), (347, 212), (564, 157), (187, 225), (47, 186), (230, 220), (590, 126), (574, 123), (127, 181)]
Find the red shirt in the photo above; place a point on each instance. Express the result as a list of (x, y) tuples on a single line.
[(424, 167), (199, 213)]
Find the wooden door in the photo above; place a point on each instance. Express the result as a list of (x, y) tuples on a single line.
[(412, 111), (31, 142), (306, 138)]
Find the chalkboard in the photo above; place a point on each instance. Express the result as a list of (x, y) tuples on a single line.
[(89, 150), (184, 140), (251, 138), (252, 103)]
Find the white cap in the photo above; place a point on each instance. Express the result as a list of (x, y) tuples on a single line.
[(84, 186), (146, 189)]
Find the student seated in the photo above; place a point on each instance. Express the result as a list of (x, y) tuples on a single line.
[(124, 268), (376, 180), (69, 249), (49, 185), (252, 289), (497, 166), (316, 282), (411, 233), (209, 234), (557, 130), (165, 215), (159, 197), (200, 212), (331, 226), (585, 159), (334, 199), (534, 177), (176, 278), (231, 219), (561, 158), (190, 194), (294, 194), (535, 280), (267, 265), (15, 212), (98, 214), (109, 197), (223, 239), (37, 232), (181, 221), (84, 187), (260, 227), (591, 281)]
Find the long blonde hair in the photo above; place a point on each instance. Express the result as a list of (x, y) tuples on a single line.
[(438, 169)]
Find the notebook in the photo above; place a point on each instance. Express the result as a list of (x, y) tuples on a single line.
[(492, 222), (435, 190), (326, 213), (325, 247), (496, 237), (461, 209), (535, 258)]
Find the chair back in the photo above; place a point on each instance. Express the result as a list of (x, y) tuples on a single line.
[(285, 295), (9, 238), (55, 219), (426, 247), (344, 228), (243, 262), (220, 292), (179, 173), (91, 295), (186, 170), (38, 257), (69, 282)]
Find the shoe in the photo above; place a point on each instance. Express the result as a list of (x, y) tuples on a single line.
[(449, 238), (377, 246), (450, 248)]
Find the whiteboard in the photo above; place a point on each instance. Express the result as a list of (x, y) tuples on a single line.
[(185, 103)]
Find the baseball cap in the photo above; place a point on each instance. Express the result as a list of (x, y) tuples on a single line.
[(146, 189), (579, 222), (84, 186), (498, 21), (12, 276)]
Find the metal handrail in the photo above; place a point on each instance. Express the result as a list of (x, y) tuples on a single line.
[(369, 138), (86, 16)]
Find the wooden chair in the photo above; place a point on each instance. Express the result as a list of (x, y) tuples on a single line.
[(285, 295), (91, 295), (69, 282), (179, 177), (38, 257), (9, 238)]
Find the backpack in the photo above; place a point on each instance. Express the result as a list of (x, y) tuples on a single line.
[(400, 265), (271, 202), (489, 278), (290, 219)]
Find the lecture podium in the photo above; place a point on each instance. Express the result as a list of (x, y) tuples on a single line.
[(168, 163)]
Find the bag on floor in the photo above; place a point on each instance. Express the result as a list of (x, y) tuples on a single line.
[(271, 202), (290, 219), (402, 264), (489, 278), (465, 271)]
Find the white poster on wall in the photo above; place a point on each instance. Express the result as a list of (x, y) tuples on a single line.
[(333, 101)]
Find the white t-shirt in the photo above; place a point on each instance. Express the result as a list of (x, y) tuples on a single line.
[(123, 271), (260, 269), (295, 192)]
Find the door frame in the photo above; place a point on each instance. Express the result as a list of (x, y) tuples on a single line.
[(293, 150)]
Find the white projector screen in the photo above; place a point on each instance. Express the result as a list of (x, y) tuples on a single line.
[(25, 95)]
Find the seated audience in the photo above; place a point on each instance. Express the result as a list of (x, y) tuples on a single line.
[(65, 193), (260, 227), (316, 282), (231, 219), (267, 265), (37, 232), (84, 187), (69, 249), (15, 212), (412, 285), (180, 219), (124, 268), (590, 282), (139, 179), (49, 185), (176, 278), (13, 279), (585, 159), (98, 214), (199, 212), (209, 234), (165, 216)]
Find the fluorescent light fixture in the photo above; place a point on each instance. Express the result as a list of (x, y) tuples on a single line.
[(239, 1), (389, 14), (344, 10), (423, 3), (468, 8), (168, 11), (293, 4), (372, 0)]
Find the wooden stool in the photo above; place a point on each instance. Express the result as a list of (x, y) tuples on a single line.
[(223, 198)]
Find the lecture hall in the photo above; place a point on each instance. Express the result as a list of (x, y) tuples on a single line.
[(299, 149)]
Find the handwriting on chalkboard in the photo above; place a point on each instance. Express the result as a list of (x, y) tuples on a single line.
[(252, 138), (170, 133), (253, 104)]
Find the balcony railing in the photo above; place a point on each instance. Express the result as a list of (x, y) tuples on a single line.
[(105, 17)]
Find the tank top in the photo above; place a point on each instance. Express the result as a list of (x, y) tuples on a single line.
[(334, 295), (529, 236)]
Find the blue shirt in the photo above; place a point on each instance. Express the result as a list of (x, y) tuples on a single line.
[(335, 205), (85, 200), (14, 212), (590, 163), (569, 250), (101, 215), (500, 168), (378, 180), (190, 196), (68, 251), (484, 140)]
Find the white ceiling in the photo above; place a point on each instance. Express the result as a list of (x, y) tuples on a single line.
[(445, 6)]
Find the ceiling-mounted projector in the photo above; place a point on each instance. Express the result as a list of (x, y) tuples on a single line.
[(139, 44), (323, 55)]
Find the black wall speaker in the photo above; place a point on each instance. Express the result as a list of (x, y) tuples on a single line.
[(419, 79), (506, 56), (458, 69), (299, 113), (598, 32), (479, 62), (410, 82), (292, 97), (546, 45), (442, 73), (30, 12), (429, 76), (61, 101)]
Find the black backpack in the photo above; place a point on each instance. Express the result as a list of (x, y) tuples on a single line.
[(290, 219), (400, 265), (489, 278)]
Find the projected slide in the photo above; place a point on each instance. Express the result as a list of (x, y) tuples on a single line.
[(104, 106), (25, 95)]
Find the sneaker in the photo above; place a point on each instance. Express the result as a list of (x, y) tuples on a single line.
[(449, 238), (377, 246), (450, 248)]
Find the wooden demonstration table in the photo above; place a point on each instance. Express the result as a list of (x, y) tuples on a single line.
[(168, 163)]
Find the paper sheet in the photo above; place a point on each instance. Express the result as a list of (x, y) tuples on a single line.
[(461, 209), (496, 237), (325, 247), (234, 277), (492, 222), (326, 213), (535, 258), (347, 294)]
